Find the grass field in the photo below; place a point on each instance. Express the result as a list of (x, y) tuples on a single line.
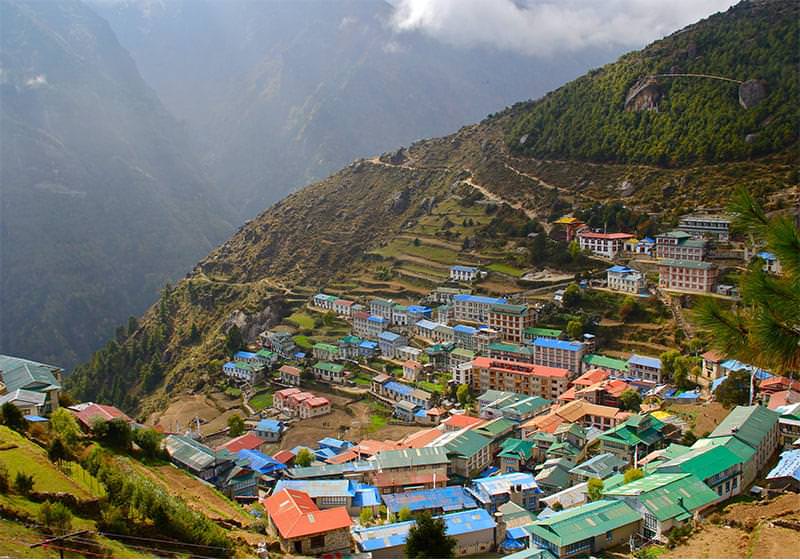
[(376, 422), (301, 319), (507, 269), (261, 400), (430, 387), (303, 342)]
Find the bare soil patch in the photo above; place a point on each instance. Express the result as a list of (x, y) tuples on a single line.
[(704, 417), (213, 414)]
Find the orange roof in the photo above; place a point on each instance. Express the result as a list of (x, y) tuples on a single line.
[(545, 423), (291, 370), (387, 479), (314, 402), (101, 411), (521, 368), (284, 456), (778, 383), (412, 364), (782, 398), (592, 376), (421, 438), (245, 441), (712, 356), (296, 515), (370, 447), (300, 397), (344, 457), (461, 421), (287, 392), (597, 235), (613, 387), (568, 395), (576, 410)]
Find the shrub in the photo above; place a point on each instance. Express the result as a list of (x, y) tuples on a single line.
[(5, 481), (23, 483), (56, 517)]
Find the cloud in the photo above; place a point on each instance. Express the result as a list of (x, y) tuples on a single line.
[(37, 81), (543, 27)]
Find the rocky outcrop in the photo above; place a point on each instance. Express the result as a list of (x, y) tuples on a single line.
[(751, 93), (643, 95)]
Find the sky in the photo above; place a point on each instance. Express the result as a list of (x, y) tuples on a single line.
[(545, 27)]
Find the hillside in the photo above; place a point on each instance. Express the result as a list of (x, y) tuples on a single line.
[(102, 200), (391, 226), (284, 93)]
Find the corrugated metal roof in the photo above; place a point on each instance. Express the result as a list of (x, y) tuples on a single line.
[(583, 522), (411, 457), (703, 462), (558, 344), (747, 423), (19, 373), (318, 488), (451, 498), (668, 495), (788, 466)]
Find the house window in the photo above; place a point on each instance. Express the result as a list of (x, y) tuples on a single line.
[(318, 541)]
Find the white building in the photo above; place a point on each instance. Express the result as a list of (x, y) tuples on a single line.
[(467, 307), (607, 245), (464, 273), (706, 225), (624, 279)]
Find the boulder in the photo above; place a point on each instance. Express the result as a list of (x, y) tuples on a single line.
[(751, 93)]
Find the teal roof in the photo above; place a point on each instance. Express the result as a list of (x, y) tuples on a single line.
[(631, 433), (736, 446), (596, 360), (467, 444), (496, 427), (584, 522), (463, 352), (19, 373), (326, 347), (516, 449), (668, 495), (327, 366), (747, 423), (535, 332), (703, 462), (510, 348)]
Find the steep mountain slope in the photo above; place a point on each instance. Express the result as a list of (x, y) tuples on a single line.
[(286, 92), (102, 201), (389, 226)]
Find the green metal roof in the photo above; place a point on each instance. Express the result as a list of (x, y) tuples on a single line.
[(496, 427), (605, 362), (534, 332), (584, 522), (263, 353), (463, 352), (703, 462), (510, 308), (467, 444), (631, 433), (350, 339), (702, 265), (527, 405), (514, 448), (327, 366), (747, 423), (736, 446), (510, 348), (668, 495), (326, 347), (412, 457), (19, 373)]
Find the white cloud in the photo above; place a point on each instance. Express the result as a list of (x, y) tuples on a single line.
[(347, 21), (393, 47), (39, 80), (542, 27)]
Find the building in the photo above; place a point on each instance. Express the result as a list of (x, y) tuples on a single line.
[(279, 342), (718, 467), (348, 347), (459, 356), (390, 342), (469, 452), (514, 406), (665, 501), (533, 333), (685, 275), (529, 379), (315, 406), (512, 352), (343, 307), (368, 349), (785, 476), (624, 279), (89, 413), (460, 273), (607, 245), (280, 398), (558, 354), (607, 393), (494, 491), (412, 370), (249, 441), (290, 375), (402, 470), (30, 403), (680, 246), (645, 367), (375, 325), (360, 323), (329, 372), (200, 460), (515, 455), (706, 225), (634, 438), (756, 426), (464, 337), (579, 412), (325, 352), (19, 373), (242, 372), (270, 430), (610, 365), (600, 466), (511, 320), (771, 262), (553, 475), (586, 530), (324, 301), (303, 529), (435, 501), (474, 530), (327, 494), (426, 329), (458, 422), (467, 307), (382, 308)]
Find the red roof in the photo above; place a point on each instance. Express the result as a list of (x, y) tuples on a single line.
[(370, 447), (782, 398), (597, 235), (346, 456), (291, 370), (712, 356), (389, 479), (592, 376), (421, 438), (101, 411), (518, 367), (315, 402), (412, 364), (284, 456), (568, 395), (296, 515), (461, 421), (287, 392), (245, 441), (297, 398), (778, 383)]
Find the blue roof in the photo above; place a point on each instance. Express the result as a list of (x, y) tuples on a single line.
[(229, 364), (389, 336), (398, 388), (259, 461), (788, 466), (479, 299), (366, 496), (419, 309), (501, 484), (395, 534), (461, 268), (316, 488), (450, 498), (334, 443), (269, 426), (465, 329), (619, 268), (376, 319), (559, 344), (736, 365), (517, 533), (242, 355), (35, 418), (426, 324), (300, 355), (324, 453), (510, 543), (369, 344), (766, 255), (717, 382), (421, 413), (645, 361), (649, 240)]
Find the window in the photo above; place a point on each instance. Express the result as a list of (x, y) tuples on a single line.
[(318, 541)]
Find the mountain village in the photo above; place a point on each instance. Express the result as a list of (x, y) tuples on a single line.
[(525, 441)]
